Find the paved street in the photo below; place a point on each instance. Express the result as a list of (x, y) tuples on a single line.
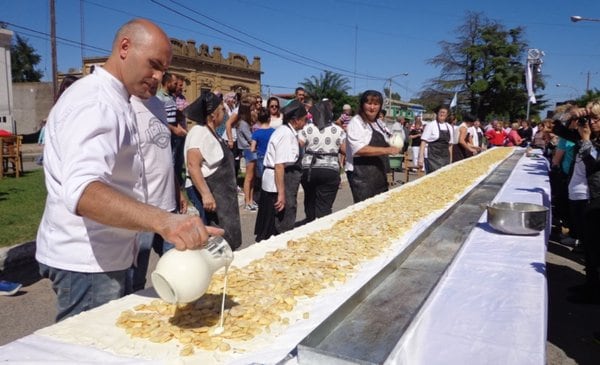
[(569, 325)]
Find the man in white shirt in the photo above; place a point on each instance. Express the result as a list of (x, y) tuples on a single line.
[(94, 173), (163, 188)]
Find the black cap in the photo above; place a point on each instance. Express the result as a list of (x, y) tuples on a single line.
[(293, 110), (201, 108)]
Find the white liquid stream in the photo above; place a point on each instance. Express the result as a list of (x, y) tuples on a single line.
[(221, 329)]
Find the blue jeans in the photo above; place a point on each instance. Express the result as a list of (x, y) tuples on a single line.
[(80, 291)]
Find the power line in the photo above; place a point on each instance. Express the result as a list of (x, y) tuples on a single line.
[(65, 40), (366, 77), (263, 41)]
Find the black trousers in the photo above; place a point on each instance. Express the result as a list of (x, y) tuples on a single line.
[(319, 192), (591, 239)]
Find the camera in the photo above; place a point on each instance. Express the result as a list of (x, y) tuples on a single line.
[(582, 121)]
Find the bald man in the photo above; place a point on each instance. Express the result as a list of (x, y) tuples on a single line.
[(95, 177)]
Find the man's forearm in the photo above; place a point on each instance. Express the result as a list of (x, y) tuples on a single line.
[(110, 207)]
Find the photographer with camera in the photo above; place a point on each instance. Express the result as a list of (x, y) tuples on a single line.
[(587, 137)]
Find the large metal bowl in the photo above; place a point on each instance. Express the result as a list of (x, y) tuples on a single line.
[(517, 218)]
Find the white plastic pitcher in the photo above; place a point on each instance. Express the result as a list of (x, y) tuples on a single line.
[(184, 276)]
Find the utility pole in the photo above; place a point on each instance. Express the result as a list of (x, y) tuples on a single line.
[(53, 48)]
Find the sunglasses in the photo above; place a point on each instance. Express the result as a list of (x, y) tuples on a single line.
[(274, 106)]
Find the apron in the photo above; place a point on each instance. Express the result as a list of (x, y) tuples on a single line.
[(223, 187), (369, 177), (438, 155), (316, 155), (285, 220)]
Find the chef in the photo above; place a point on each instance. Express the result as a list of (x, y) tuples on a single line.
[(437, 138), (367, 149), (211, 181), (282, 174)]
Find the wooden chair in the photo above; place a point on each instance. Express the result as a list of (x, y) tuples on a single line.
[(10, 152)]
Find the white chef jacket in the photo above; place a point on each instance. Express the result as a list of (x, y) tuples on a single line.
[(358, 135), (91, 135), (282, 149), (155, 144), (431, 133)]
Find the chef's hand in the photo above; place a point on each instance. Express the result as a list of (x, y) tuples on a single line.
[(230, 144), (186, 232), (421, 163), (280, 203), (209, 203)]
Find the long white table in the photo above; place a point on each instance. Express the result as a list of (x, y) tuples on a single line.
[(490, 307)]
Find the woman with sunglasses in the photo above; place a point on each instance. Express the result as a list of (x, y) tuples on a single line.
[(276, 118)]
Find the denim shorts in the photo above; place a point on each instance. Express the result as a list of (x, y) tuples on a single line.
[(249, 156)]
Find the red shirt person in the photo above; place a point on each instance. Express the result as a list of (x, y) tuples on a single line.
[(496, 135)]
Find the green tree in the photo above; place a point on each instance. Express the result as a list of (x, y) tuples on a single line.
[(486, 66), (329, 85), (24, 59)]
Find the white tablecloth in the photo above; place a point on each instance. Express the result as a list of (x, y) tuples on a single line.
[(491, 305), (491, 299)]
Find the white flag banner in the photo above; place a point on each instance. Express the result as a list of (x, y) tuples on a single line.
[(454, 101), (529, 83)]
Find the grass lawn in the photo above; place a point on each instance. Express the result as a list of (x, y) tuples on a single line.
[(21, 206)]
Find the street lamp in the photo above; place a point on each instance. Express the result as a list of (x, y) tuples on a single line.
[(389, 79), (577, 18)]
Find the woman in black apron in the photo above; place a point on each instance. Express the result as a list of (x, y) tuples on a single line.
[(438, 150), (215, 194), (323, 142), (368, 176), (281, 178)]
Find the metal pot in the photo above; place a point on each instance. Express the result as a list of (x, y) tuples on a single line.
[(517, 218)]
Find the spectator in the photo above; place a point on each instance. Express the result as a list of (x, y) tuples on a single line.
[(163, 187), (588, 137), (275, 116), (495, 135), (176, 122), (513, 138), (211, 183), (244, 131), (344, 119), (526, 133), (367, 149), (94, 177), (260, 140), (414, 137)]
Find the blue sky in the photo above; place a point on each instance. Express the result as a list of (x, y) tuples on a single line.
[(367, 40)]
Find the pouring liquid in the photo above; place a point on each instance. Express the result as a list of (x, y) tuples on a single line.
[(220, 329)]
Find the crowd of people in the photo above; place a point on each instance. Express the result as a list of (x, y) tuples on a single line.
[(119, 183)]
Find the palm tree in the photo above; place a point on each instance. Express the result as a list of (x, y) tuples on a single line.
[(328, 85)]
